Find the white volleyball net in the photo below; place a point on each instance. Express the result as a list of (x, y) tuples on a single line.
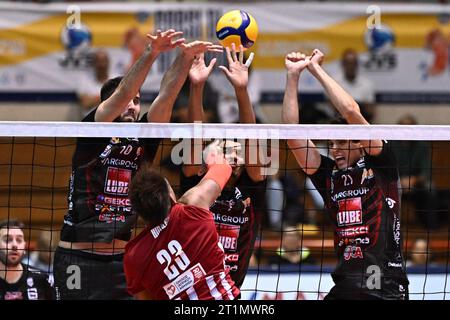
[(292, 249)]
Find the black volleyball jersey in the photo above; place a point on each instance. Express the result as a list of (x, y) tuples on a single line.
[(102, 168), (237, 214), (32, 285), (363, 203)]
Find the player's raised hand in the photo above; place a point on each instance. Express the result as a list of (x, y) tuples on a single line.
[(233, 152), (296, 62), (317, 57), (196, 47), (165, 40), (213, 154), (199, 71), (237, 72)]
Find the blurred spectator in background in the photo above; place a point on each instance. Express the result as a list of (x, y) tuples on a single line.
[(291, 250), (359, 87), (18, 281), (42, 257), (420, 255), (210, 104), (414, 164), (275, 201), (439, 44), (135, 42), (228, 111), (294, 211), (254, 262), (285, 201), (90, 84)]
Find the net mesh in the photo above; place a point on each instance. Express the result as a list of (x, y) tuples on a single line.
[(294, 252)]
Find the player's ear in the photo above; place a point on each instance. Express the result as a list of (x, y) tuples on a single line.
[(172, 196), (357, 143)]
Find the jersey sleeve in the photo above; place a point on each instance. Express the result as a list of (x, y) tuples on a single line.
[(257, 192), (90, 117), (150, 144), (385, 162), (319, 178)]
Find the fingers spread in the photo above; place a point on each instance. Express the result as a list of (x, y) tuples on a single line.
[(167, 32), (179, 42), (233, 52), (225, 70), (230, 61), (174, 34), (241, 53), (249, 60), (212, 63), (215, 48)]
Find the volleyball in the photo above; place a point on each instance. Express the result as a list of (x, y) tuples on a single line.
[(238, 27)]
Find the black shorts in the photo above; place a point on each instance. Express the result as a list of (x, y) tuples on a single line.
[(81, 275), (354, 289)]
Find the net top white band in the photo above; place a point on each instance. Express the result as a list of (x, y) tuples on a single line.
[(230, 131)]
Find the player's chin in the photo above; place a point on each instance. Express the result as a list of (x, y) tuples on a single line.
[(13, 261), (341, 164), (128, 118)]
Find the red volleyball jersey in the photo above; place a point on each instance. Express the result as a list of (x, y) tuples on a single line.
[(179, 259)]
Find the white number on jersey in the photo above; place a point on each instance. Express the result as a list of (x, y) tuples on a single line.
[(126, 150), (181, 261), (348, 180)]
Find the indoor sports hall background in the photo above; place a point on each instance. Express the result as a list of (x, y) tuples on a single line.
[(49, 52)]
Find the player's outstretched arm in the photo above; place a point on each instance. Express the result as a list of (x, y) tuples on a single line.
[(172, 82), (209, 188), (237, 74), (305, 151), (198, 75), (130, 85), (347, 107)]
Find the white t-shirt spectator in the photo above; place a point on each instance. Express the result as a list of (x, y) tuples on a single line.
[(89, 86), (361, 89)]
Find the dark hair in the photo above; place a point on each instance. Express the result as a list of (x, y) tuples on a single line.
[(349, 51), (149, 196), (11, 224), (109, 87)]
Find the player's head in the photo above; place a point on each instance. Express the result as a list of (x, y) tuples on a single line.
[(344, 152), (12, 242), (151, 196), (420, 253), (131, 110), (101, 62), (135, 41), (407, 120), (233, 153), (349, 63), (291, 238)]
